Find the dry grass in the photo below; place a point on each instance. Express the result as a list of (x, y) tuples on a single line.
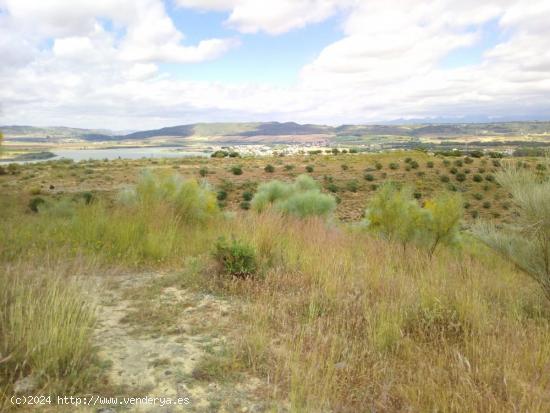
[(343, 322), (335, 320)]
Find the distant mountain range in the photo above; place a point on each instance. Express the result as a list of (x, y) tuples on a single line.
[(266, 132)]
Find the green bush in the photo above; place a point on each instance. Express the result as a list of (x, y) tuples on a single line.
[(247, 195), (189, 201), (352, 186), (221, 195), (309, 168), (394, 166), (378, 166), (236, 258), (460, 177), (369, 177), (234, 155), (430, 164), (203, 171), (36, 203), (245, 205), (453, 170), (478, 196), (477, 178), (444, 178), (301, 198), (308, 203), (269, 168), (237, 170), (526, 243), (414, 164), (332, 187), (289, 167), (486, 205), (344, 167)]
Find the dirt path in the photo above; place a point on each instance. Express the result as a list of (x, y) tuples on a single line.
[(169, 342)]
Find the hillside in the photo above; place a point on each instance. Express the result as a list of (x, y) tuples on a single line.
[(266, 133)]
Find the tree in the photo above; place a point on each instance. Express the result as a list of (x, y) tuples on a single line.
[(526, 242)]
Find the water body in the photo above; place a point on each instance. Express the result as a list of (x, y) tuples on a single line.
[(121, 153)]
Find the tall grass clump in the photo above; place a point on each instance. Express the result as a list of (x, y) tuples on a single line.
[(45, 330), (301, 198), (526, 242), (191, 202)]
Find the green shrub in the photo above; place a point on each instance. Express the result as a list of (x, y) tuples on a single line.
[(394, 166), (301, 198), (289, 167), (408, 160), (236, 258), (444, 178), (526, 243), (468, 160), (309, 168), (247, 195), (234, 155), (189, 201), (378, 166), (332, 187), (203, 171), (245, 205), (413, 164), (352, 186), (474, 213), (417, 194), (477, 178), (486, 205), (36, 203), (458, 163), (430, 164), (307, 204), (395, 215), (478, 196), (453, 170), (460, 177), (237, 170), (369, 177), (269, 168), (219, 154), (344, 167), (489, 178), (221, 195)]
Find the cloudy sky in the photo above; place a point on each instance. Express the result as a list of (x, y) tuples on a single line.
[(137, 64)]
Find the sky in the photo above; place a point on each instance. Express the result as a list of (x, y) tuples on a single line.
[(142, 64)]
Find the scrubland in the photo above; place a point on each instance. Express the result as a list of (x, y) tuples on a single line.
[(335, 315)]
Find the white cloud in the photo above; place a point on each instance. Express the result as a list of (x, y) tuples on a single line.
[(387, 64), (273, 17)]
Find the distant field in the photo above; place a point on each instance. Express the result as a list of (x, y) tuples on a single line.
[(353, 178)]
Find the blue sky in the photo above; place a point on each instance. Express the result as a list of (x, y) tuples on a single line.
[(261, 57), (137, 64)]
